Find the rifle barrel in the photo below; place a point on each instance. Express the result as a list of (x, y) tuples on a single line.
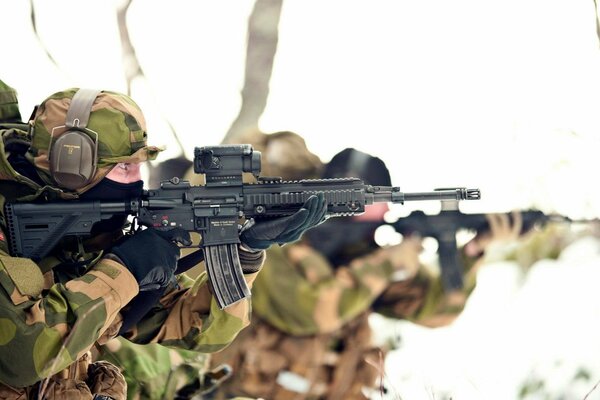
[(439, 194)]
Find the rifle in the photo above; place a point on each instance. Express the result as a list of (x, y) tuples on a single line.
[(213, 210), (444, 225)]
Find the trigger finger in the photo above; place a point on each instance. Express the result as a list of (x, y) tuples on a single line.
[(177, 235), (183, 237)]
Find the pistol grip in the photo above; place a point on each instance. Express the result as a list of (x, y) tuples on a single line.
[(451, 266)]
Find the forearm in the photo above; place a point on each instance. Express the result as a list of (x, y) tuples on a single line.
[(301, 293), (189, 317), (369, 277), (60, 326), (439, 307)]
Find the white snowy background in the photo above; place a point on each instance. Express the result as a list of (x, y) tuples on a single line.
[(538, 331), (499, 95)]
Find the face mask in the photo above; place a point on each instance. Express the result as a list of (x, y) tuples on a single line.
[(111, 190)]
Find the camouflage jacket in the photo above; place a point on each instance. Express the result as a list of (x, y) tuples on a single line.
[(9, 104), (153, 371), (51, 317), (310, 338)]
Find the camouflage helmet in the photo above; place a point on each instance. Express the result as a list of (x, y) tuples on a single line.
[(284, 154), (9, 105), (115, 119)]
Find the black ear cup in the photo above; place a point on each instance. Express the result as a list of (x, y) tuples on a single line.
[(73, 160), (73, 155)]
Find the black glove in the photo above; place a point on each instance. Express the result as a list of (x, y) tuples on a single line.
[(261, 234), (151, 255)]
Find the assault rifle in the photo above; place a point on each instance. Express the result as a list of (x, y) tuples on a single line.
[(444, 226), (214, 210)]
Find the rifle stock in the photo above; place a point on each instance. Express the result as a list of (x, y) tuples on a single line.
[(213, 210)]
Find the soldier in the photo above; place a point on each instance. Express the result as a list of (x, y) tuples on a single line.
[(156, 372), (85, 144), (152, 371), (309, 337)]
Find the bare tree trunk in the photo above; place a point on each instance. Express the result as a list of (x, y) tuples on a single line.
[(131, 65), (167, 169), (263, 36)]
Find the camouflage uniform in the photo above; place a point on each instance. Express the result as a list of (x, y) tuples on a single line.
[(9, 105), (545, 242), (153, 371), (142, 359), (54, 311), (310, 337)]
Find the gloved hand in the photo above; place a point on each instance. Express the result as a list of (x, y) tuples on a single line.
[(496, 244), (504, 237), (151, 255), (260, 235)]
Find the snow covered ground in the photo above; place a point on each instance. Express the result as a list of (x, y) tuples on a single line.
[(533, 336)]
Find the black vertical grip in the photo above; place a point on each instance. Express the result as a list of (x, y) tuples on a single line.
[(451, 266)]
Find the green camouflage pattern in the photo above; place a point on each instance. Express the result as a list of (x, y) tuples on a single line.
[(54, 318), (16, 187), (9, 104), (546, 242), (115, 117), (152, 371), (190, 318), (58, 327), (54, 330), (311, 319), (300, 293)]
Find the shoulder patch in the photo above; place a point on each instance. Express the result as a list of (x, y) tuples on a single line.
[(25, 274)]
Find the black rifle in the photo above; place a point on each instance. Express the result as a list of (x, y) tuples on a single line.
[(213, 210), (444, 226)]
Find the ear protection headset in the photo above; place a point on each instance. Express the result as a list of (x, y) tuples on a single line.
[(73, 155)]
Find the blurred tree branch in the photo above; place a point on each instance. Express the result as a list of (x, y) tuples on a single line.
[(33, 19), (262, 38), (163, 170)]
